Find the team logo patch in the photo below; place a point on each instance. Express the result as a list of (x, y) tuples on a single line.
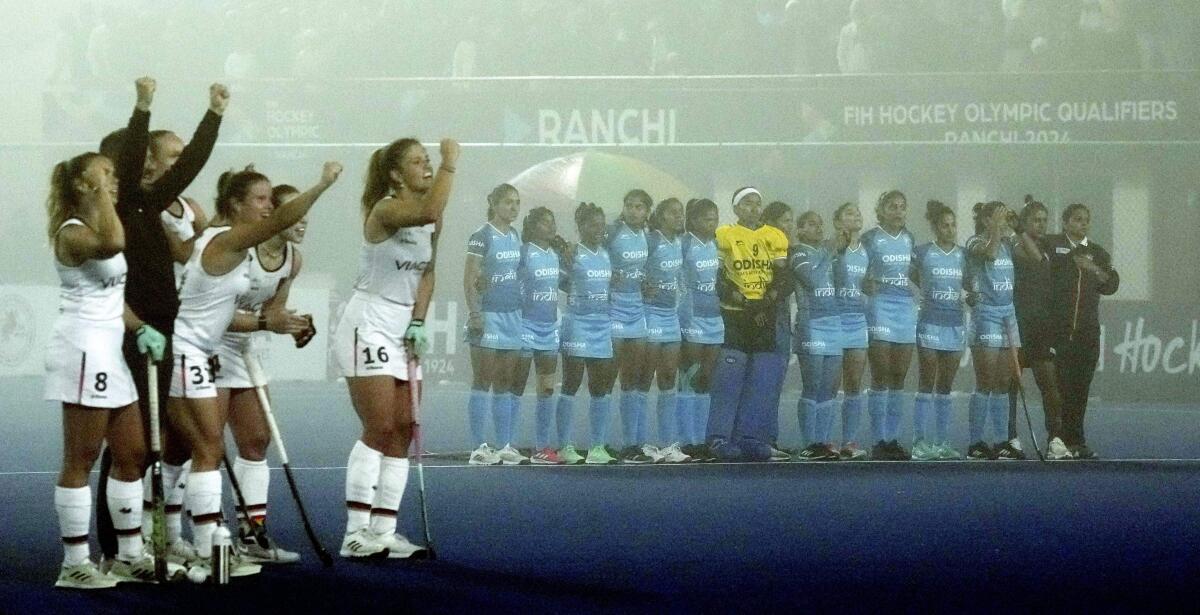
[(730, 360)]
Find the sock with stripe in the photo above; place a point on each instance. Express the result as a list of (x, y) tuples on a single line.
[(998, 411), (667, 413), (564, 419), (477, 408), (976, 415), (877, 409), (175, 498), (170, 476), (204, 504), (851, 417), (895, 413), (942, 408), (543, 421), (598, 411), (125, 508), (74, 509), (254, 477), (362, 472), (393, 478), (921, 416)]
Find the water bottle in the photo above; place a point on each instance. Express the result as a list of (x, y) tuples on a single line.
[(222, 554)]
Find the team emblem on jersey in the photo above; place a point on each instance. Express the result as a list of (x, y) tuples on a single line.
[(17, 330)]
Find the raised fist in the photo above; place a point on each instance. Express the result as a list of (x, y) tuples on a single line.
[(218, 98), (449, 150), (330, 172), (145, 91)]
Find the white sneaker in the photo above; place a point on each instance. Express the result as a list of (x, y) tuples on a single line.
[(271, 553), (398, 546), (651, 451), (484, 456), (1057, 450), (84, 576), (672, 454), (181, 553), (510, 456), (363, 545), (139, 571), (241, 567)]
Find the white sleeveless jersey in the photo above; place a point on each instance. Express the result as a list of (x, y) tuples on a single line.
[(263, 285), (94, 290), (207, 302), (179, 226), (392, 268)]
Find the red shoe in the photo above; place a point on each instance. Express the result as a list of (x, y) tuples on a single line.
[(545, 457)]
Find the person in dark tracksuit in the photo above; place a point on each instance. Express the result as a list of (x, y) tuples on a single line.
[(1080, 271)]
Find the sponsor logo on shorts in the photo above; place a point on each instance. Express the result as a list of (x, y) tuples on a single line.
[(574, 345), (879, 329)]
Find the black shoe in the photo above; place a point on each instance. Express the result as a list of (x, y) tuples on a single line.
[(699, 453), (980, 451), (897, 451), (634, 454), (1081, 451), (1005, 451), (812, 452), (828, 453), (880, 451)]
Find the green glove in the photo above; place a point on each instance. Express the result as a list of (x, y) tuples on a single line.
[(416, 338), (151, 342)]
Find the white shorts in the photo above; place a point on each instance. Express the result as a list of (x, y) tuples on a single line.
[(194, 374), (369, 340), (231, 370), (84, 364)]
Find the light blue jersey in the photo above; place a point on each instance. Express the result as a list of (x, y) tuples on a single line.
[(539, 283), (501, 254), (941, 280), (663, 266), (849, 269), (889, 257), (816, 292), (993, 279), (629, 251), (587, 283), (700, 267)]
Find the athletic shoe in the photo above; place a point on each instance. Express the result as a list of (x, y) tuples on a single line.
[(569, 455), (851, 451), (181, 553), (672, 454), (947, 452), (897, 451), (86, 576), (778, 455), (980, 451), (241, 567), (597, 455), (363, 545), (880, 451), (754, 449), (140, 570), (1009, 451), (699, 453), (924, 451), (1056, 450), (510, 456), (653, 453), (830, 453), (634, 455), (398, 547), (270, 553), (1081, 451), (484, 456), (724, 450), (812, 452), (545, 457)]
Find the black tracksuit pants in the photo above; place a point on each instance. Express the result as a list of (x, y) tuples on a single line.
[(1075, 363)]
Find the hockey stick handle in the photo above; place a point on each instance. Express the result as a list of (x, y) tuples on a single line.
[(152, 406), (258, 379)]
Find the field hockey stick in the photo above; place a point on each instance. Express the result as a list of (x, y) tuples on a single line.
[(1016, 364), (264, 402), (158, 499), (256, 529), (414, 390)]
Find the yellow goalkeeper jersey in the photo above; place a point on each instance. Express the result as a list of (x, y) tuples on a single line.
[(747, 255)]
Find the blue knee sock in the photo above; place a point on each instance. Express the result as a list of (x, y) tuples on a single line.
[(685, 407), (877, 409), (543, 417), (564, 418), (998, 410), (640, 401), (501, 418), (824, 432), (943, 407), (976, 416), (598, 411), (628, 418), (514, 417), (700, 418), (477, 409), (851, 417), (921, 416), (806, 416), (895, 413), (667, 413)]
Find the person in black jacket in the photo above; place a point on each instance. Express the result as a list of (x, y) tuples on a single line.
[(1080, 271), (144, 191)]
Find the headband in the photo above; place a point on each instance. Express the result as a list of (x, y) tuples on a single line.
[(743, 193)]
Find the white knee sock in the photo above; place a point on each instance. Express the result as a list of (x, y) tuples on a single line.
[(175, 496), (254, 477), (74, 508), (125, 508), (204, 504), (362, 473), (393, 477), (170, 476)]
